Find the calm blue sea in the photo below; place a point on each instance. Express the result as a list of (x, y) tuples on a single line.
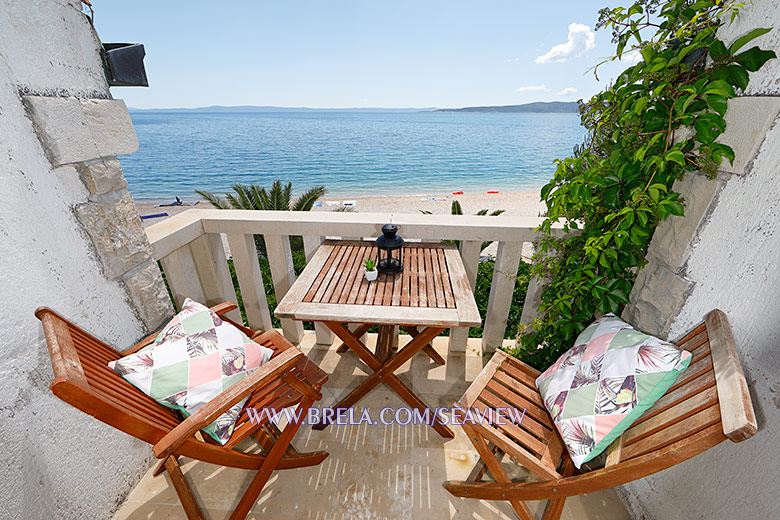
[(351, 153)]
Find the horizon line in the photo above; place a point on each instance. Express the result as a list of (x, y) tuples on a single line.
[(343, 108)]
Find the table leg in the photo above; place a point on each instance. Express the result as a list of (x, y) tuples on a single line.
[(428, 349), (358, 334), (384, 342), (384, 372)]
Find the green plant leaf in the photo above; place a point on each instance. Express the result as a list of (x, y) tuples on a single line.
[(745, 39), (754, 58)]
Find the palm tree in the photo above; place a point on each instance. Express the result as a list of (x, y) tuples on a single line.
[(278, 198), (253, 196)]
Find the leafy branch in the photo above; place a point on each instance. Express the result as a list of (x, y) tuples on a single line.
[(618, 186)]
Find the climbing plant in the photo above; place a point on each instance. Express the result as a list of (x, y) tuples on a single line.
[(659, 120)]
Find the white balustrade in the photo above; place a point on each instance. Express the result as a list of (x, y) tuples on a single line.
[(189, 247)]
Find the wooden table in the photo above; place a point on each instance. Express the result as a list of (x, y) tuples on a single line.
[(431, 294)]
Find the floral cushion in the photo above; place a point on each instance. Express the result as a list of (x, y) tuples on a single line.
[(602, 385), (195, 357)]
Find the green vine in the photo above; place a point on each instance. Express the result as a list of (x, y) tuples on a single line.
[(657, 122)]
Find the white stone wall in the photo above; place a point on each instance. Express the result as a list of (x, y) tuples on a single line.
[(71, 240), (725, 253)]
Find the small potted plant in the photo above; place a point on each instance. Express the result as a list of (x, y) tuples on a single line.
[(369, 268)]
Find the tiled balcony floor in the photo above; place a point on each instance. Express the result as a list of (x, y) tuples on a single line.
[(373, 472)]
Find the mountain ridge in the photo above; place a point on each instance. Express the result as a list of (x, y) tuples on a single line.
[(544, 107)]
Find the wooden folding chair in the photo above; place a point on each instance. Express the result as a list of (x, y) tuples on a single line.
[(708, 404), (83, 379)]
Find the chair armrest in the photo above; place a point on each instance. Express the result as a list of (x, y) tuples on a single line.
[(223, 308), (217, 406)]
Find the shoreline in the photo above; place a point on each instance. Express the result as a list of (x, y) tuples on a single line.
[(514, 203)]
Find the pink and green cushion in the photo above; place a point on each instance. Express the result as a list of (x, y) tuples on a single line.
[(605, 382), (195, 357)]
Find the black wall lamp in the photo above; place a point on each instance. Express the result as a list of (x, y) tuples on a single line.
[(123, 64)]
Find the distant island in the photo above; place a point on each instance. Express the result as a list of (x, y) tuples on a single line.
[(254, 108), (552, 107)]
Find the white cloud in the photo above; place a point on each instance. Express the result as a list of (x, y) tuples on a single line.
[(533, 88), (510, 60), (632, 58), (568, 91), (581, 40)]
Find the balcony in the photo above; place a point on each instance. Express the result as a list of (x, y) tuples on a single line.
[(374, 471)]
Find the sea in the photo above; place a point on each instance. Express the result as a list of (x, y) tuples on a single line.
[(352, 154)]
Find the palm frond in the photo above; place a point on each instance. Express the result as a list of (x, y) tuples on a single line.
[(306, 201), (456, 208), (287, 196), (213, 199), (244, 193), (235, 203), (276, 197), (482, 212), (497, 212), (426, 212)]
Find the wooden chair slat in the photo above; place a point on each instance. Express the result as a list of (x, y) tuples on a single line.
[(515, 400), (512, 448), (696, 330), (530, 394), (482, 379), (522, 437), (693, 386), (700, 353), (694, 342), (555, 448), (692, 372), (667, 418), (673, 433), (143, 412), (528, 370), (529, 423)]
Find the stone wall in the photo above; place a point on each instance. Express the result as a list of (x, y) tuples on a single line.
[(72, 241), (725, 254)]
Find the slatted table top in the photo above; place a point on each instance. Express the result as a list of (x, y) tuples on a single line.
[(432, 289)]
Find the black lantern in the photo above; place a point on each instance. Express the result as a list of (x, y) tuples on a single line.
[(389, 262)]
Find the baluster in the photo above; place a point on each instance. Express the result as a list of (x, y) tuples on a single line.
[(250, 280), (501, 290), (533, 298), (213, 271), (182, 276), (283, 274)]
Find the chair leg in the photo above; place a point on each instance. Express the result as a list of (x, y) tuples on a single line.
[(186, 497), (554, 508), (494, 466), (271, 460)]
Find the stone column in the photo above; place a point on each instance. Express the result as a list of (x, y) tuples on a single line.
[(83, 137)]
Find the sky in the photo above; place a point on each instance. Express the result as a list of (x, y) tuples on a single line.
[(338, 53)]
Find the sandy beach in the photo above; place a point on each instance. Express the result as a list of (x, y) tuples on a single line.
[(520, 203), (523, 203)]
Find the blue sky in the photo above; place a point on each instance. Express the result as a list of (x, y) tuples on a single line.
[(359, 53)]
